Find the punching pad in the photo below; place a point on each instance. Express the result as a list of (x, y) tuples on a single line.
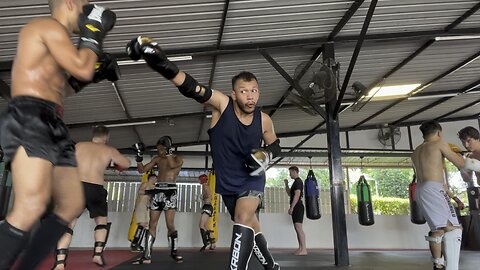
[(312, 196), (416, 215), (365, 206)]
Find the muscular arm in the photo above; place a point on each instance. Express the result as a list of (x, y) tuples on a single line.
[(145, 168), (174, 161), (218, 101), (451, 156), (269, 135), (78, 63), (119, 159), (286, 187)]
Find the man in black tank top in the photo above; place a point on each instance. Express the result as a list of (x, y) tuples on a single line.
[(297, 210), (236, 132)]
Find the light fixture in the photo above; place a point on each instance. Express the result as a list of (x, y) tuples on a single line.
[(392, 90), (457, 37), (131, 124), (141, 61)]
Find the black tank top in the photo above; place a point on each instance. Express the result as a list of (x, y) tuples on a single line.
[(231, 143)]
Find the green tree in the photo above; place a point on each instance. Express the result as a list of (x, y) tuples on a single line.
[(322, 176), (391, 182)]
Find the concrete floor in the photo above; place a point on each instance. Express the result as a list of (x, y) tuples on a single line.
[(318, 259)]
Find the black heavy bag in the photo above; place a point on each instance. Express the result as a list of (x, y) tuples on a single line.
[(365, 207), (416, 216), (312, 196)]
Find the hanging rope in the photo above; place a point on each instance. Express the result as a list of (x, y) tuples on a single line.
[(310, 158)]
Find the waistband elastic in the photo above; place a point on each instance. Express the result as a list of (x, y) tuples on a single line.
[(28, 101)]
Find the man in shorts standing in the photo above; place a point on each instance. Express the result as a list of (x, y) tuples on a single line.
[(36, 142)]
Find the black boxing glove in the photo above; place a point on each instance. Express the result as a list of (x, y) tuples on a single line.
[(167, 142), (94, 24), (105, 68), (154, 56), (140, 149)]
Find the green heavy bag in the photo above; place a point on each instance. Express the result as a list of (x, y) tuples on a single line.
[(365, 206)]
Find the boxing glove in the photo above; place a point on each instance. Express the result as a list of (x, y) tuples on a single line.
[(257, 162), (94, 23), (140, 149), (105, 68), (154, 56)]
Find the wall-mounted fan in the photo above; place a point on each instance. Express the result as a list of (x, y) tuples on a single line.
[(388, 135)]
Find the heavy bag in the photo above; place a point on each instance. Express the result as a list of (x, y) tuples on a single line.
[(416, 216), (312, 196), (365, 206)]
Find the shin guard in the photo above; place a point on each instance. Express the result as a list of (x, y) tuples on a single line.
[(205, 237), (149, 240), (43, 242), (173, 242), (12, 242), (136, 245), (452, 242), (241, 247), (260, 249)]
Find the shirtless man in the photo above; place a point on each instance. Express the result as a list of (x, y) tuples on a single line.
[(207, 213), (446, 233), (164, 196), (142, 212), (470, 138), (36, 142), (93, 158)]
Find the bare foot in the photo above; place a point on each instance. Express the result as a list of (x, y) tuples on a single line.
[(98, 260), (301, 253)]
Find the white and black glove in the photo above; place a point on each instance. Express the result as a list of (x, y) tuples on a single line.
[(140, 149), (257, 161)]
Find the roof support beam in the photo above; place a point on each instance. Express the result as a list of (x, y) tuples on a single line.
[(423, 86), (355, 54), (292, 82), (125, 109), (346, 17), (214, 61), (464, 90)]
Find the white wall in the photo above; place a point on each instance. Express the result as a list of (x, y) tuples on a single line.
[(389, 232)]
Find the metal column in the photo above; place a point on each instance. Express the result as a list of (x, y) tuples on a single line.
[(340, 240)]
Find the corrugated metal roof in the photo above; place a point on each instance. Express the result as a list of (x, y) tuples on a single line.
[(191, 27)]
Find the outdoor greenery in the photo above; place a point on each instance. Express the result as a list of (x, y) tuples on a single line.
[(389, 182), (384, 205)]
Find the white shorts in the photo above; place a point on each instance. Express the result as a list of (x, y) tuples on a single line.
[(435, 205)]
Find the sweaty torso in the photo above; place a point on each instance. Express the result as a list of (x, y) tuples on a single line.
[(429, 162), (92, 159), (165, 172), (35, 72), (206, 195)]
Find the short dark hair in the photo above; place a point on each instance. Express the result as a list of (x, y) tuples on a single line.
[(244, 76), (468, 132), (430, 127), (99, 131), (293, 168)]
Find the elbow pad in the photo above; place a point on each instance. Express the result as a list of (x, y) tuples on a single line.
[(189, 86), (274, 148), (472, 164)]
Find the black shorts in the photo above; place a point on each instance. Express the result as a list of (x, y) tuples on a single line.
[(165, 197), (37, 125), (95, 199), (298, 213), (230, 201), (207, 209)]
